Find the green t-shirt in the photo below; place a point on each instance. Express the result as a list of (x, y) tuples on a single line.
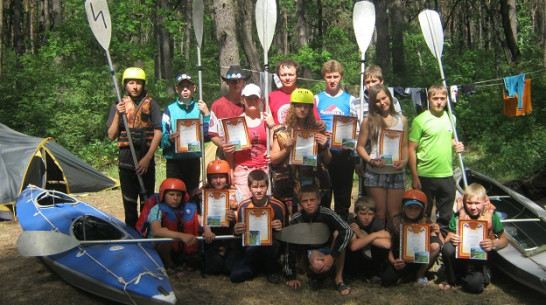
[(496, 224), (433, 136)]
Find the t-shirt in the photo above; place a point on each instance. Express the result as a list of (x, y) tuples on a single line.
[(433, 136), (275, 205), (328, 106), (496, 224), (279, 103), (222, 108), (255, 156), (375, 226), (374, 154)]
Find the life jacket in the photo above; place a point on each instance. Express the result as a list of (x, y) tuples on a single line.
[(185, 218), (486, 214), (140, 123)]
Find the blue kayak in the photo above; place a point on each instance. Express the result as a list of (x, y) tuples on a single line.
[(126, 273)]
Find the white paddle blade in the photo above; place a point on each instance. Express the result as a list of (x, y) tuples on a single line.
[(44, 243), (431, 25), (266, 21), (197, 16), (363, 24), (98, 17)]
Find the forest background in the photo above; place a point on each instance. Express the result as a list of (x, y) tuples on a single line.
[(55, 81)]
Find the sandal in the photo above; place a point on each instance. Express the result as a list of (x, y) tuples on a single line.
[(341, 287), (422, 280)]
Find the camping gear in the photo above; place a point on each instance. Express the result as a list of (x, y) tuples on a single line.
[(524, 258), (43, 162), (129, 273)]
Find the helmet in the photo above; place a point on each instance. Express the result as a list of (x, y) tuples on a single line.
[(133, 73), (302, 96), (172, 184), (218, 167), (415, 195)]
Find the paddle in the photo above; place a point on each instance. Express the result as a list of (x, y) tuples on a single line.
[(197, 18), (98, 17), (364, 25), (304, 234), (44, 243), (431, 25), (266, 21)]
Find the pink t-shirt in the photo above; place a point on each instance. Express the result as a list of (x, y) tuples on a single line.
[(222, 108), (279, 103), (255, 156)]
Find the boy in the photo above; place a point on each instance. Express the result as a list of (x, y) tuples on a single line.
[(144, 119), (330, 102), (251, 259), (184, 166), (370, 243), (320, 258), (473, 275), (414, 204), (165, 219), (431, 155)]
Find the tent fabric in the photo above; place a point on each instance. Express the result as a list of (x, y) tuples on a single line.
[(27, 160)]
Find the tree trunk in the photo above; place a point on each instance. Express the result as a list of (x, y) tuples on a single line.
[(188, 30), (382, 33), (228, 52), (246, 20), (165, 49), (1, 35), (507, 11), (56, 12), (398, 26), (302, 31), (17, 30)]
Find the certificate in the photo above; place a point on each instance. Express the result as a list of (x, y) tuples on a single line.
[(236, 132), (472, 232), (304, 152), (390, 145), (415, 243), (215, 208), (344, 132), (258, 227), (189, 139)]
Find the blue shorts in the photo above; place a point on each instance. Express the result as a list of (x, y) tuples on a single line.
[(390, 181), (324, 251)]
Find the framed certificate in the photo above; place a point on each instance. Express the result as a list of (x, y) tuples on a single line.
[(390, 145), (344, 132), (415, 243), (215, 208), (472, 232), (304, 152), (189, 139), (236, 132), (257, 227)]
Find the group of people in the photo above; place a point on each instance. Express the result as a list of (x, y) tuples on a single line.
[(367, 243)]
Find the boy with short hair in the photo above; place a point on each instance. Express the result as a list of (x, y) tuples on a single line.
[(320, 258), (473, 275), (414, 204), (370, 243), (252, 259)]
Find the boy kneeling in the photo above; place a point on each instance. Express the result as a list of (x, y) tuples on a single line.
[(321, 258)]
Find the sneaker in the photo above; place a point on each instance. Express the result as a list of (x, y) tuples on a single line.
[(273, 278)]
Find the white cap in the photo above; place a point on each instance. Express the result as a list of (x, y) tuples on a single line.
[(252, 89)]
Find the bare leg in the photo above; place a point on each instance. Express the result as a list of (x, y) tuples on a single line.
[(394, 202), (380, 196)]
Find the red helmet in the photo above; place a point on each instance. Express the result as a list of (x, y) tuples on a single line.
[(219, 167), (172, 184), (415, 195)]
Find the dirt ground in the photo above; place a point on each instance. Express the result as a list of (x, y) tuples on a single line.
[(26, 280)]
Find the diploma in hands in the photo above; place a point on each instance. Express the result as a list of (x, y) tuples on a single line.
[(390, 145), (472, 232), (344, 132), (304, 152), (415, 243), (236, 132), (189, 139), (257, 227), (215, 208)]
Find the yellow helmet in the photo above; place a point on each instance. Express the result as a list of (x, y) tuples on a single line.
[(302, 96), (133, 73)]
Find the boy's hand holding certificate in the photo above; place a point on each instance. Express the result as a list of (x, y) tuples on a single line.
[(344, 132), (257, 227), (189, 139), (415, 243), (472, 232), (236, 132), (304, 152), (215, 208)]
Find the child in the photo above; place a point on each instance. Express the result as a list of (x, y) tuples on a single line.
[(252, 259), (320, 258), (384, 182), (218, 253), (165, 219), (184, 166), (430, 148), (473, 275), (414, 203), (144, 119), (288, 179), (370, 243)]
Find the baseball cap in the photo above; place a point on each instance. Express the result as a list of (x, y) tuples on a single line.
[(183, 77), (252, 89)]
